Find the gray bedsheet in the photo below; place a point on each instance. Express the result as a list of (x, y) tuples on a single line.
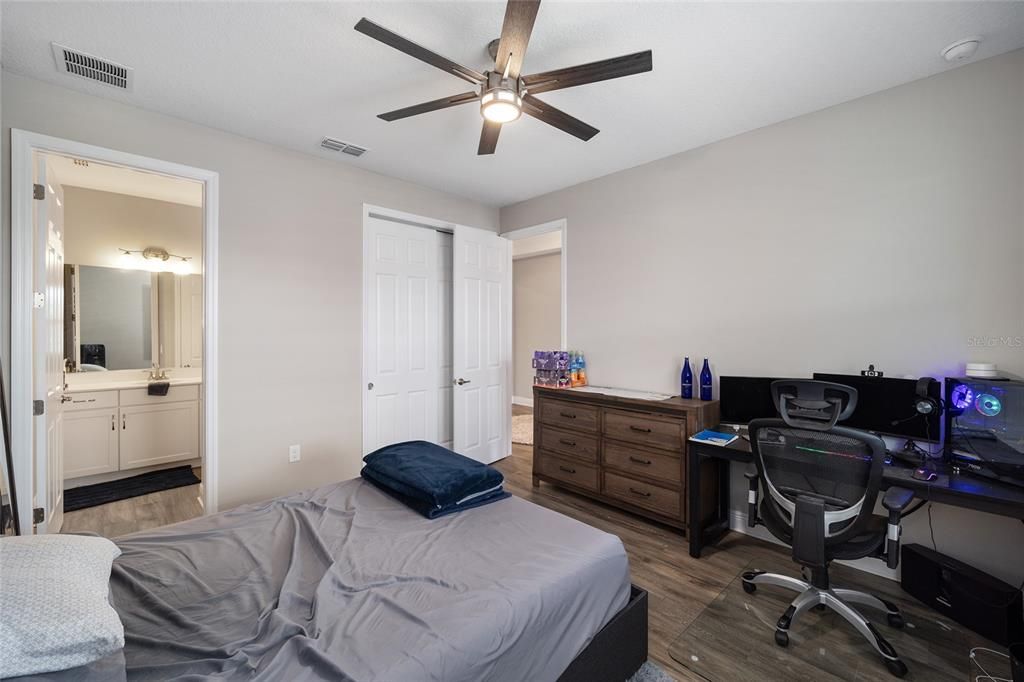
[(343, 582)]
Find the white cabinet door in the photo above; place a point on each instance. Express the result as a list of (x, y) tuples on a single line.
[(156, 434), (90, 442), (400, 357), (481, 340)]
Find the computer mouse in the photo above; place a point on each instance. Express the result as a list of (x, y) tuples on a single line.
[(924, 474)]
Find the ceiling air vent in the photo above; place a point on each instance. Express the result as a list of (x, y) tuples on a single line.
[(85, 65), (336, 145)]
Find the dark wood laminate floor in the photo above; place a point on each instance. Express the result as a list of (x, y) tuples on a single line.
[(679, 586)]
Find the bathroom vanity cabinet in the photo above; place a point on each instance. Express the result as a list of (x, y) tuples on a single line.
[(114, 430)]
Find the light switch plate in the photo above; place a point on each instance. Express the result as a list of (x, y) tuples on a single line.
[(294, 453)]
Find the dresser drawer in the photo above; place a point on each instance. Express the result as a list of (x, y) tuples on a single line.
[(659, 500), (91, 400), (569, 415), (140, 396), (643, 429), (567, 470), (632, 460), (573, 444)]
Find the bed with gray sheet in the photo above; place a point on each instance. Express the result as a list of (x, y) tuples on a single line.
[(343, 582)]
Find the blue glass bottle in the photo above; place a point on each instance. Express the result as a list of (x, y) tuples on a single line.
[(705, 381), (686, 380)]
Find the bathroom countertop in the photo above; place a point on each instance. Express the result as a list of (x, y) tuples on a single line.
[(116, 384)]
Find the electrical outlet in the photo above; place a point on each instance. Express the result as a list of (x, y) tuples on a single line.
[(294, 453)]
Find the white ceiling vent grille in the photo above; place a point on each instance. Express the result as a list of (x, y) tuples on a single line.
[(94, 68), (336, 145)]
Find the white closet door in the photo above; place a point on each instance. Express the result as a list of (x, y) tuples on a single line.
[(482, 344), (401, 373), (190, 345), (444, 340)]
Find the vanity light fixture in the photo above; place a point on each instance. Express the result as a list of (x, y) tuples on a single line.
[(156, 259)]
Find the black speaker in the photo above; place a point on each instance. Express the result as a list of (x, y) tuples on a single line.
[(962, 593)]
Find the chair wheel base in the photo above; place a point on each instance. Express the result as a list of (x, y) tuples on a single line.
[(782, 638), (749, 588), (896, 620), (897, 667)]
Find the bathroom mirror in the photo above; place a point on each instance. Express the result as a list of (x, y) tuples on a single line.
[(117, 319)]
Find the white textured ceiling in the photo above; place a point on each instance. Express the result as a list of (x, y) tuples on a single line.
[(290, 73), (129, 181)]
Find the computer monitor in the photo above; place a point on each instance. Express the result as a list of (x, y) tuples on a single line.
[(743, 399), (886, 406)]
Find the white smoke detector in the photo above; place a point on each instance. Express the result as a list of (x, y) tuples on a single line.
[(961, 50)]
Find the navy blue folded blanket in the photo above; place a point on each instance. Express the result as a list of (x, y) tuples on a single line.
[(431, 479)]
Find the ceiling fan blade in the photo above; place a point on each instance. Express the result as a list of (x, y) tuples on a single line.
[(410, 48), (515, 35), (434, 105), (543, 111), (488, 138), (626, 65)]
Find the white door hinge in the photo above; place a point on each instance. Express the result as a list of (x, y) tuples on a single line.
[(38, 299)]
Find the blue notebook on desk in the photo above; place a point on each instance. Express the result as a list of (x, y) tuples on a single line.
[(713, 437)]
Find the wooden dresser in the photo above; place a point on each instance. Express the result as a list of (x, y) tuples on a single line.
[(625, 452)]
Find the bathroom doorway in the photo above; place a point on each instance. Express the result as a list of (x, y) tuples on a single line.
[(119, 340)]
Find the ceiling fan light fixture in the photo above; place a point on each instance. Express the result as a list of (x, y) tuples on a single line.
[(501, 105)]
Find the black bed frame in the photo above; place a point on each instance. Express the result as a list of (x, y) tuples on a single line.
[(618, 650)]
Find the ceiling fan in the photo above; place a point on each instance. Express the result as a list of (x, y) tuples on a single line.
[(504, 93)]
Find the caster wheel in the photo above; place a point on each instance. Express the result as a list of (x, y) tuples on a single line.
[(896, 667), (749, 588), (896, 620), (781, 638)]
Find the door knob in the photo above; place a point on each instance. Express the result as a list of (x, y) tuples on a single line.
[(460, 381)]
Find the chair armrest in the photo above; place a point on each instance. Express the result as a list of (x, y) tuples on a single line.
[(897, 499), (753, 481)]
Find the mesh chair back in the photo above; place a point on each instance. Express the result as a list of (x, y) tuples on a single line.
[(841, 467)]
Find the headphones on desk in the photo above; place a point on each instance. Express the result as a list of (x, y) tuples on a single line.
[(924, 404)]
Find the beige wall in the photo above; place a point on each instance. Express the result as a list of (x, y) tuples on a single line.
[(536, 314), (290, 279), (97, 224), (887, 230)]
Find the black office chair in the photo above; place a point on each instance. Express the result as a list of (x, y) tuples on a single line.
[(820, 484)]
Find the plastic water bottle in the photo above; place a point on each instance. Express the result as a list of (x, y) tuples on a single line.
[(686, 380), (705, 381)]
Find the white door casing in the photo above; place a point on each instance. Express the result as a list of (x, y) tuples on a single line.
[(481, 342), (400, 339), (48, 365)]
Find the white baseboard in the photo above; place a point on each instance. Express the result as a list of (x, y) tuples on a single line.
[(524, 402), (738, 523)]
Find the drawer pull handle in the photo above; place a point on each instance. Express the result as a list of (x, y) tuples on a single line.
[(570, 443), (639, 428), (567, 470), (641, 493), (567, 415), (640, 461), (113, 423)]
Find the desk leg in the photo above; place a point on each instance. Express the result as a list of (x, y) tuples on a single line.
[(693, 486)]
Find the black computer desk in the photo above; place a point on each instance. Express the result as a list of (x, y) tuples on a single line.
[(707, 526)]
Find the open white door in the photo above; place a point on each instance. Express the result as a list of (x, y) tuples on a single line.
[(48, 355), (400, 354), (482, 340)]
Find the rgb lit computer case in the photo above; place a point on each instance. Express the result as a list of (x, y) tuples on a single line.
[(985, 426)]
